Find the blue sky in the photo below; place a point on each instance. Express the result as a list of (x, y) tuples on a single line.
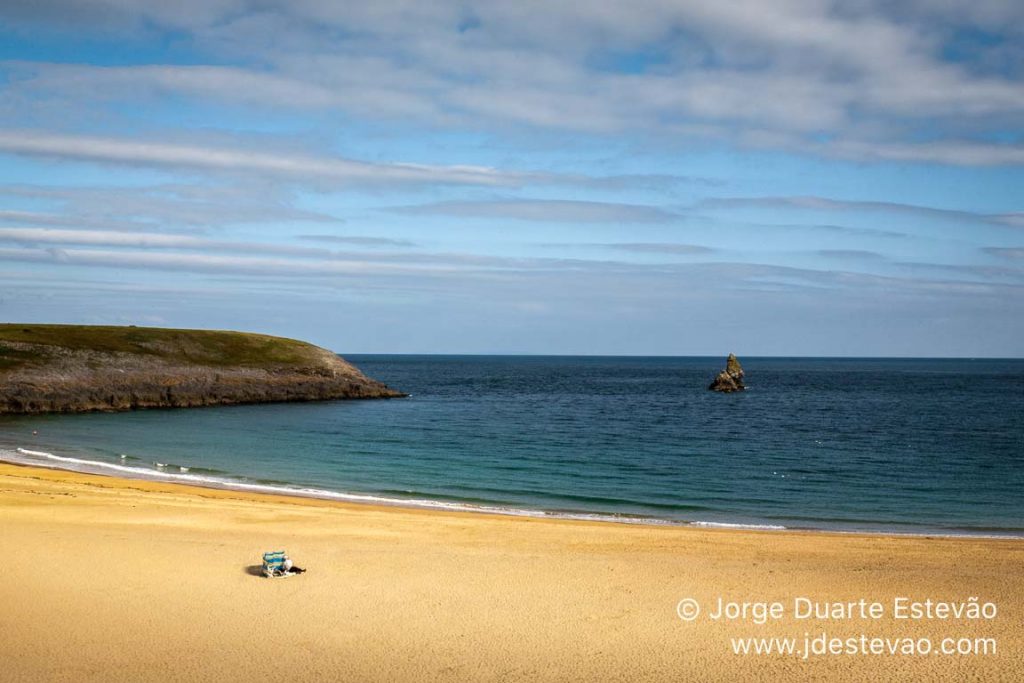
[(799, 177)]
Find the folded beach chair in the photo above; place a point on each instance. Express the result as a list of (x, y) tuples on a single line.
[(273, 564)]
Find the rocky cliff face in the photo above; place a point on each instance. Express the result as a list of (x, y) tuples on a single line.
[(60, 369), (730, 379)]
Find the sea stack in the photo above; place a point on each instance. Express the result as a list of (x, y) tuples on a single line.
[(730, 379)]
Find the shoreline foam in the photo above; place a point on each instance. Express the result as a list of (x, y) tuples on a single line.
[(33, 458)]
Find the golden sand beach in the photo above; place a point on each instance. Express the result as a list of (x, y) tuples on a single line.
[(111, 579)]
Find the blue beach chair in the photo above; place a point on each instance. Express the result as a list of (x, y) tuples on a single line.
[(273, 564)]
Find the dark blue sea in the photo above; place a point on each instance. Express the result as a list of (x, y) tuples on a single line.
[(892, 445)]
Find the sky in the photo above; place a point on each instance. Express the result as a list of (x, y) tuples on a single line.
[(794, 177)]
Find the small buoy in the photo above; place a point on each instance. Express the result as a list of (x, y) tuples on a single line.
[(35, 432)]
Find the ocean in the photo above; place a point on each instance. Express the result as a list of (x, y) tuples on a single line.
[(880, 445)]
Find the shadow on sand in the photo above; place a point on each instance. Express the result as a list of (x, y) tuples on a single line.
[(254, 570)]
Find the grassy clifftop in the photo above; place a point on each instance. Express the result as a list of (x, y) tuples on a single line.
[(73, 368), (211, 348)]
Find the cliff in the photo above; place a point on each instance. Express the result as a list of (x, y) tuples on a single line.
[(78, 368)]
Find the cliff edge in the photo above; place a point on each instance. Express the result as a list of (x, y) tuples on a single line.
[(80, 368)]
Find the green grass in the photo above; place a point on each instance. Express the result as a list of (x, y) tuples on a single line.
[(12, 358), (199, 347)]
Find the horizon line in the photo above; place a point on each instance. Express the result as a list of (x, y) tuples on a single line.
[(634, 355)]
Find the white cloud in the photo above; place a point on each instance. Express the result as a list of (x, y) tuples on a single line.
[(326, 168), (1015, 253), (359, 240), (951, 152), (775, 74), (812, 203), (658, 248), (135, 250), (204, 81), (163, 206), (544, 210), (212, 263)]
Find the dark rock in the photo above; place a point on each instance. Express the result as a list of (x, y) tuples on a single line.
[(730, 379)]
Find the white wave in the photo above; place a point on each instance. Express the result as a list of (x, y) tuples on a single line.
[(38, 453), (727, 525), (44, 459)]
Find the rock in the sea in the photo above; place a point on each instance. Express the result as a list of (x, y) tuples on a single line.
[(730, 379)]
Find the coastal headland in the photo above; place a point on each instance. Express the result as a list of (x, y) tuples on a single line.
[(82, 368), (115, 579)]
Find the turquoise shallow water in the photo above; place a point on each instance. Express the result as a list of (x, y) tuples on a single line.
[(928, 446)]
